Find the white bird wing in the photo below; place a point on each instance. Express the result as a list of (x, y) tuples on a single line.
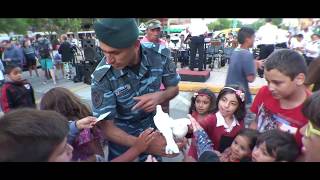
[(163, 123)]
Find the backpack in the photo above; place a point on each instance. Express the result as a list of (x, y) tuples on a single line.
[(44, 49)]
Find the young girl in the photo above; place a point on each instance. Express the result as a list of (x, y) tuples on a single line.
[(223, 126), (57, 60), (30, 55), (240, 150), (241, 147), (88, 143), (203, 104)]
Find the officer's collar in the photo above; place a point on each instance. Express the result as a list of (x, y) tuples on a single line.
[(119, 72)]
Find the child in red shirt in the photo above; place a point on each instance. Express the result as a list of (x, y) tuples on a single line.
[(203, 104), (223, 126), (279, 105)]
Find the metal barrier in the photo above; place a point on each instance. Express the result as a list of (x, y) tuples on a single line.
[(195, 86)]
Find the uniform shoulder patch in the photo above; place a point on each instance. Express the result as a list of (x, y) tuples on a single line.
[(97, 98)]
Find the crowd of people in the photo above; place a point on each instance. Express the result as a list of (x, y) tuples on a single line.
[(280, 124), (31, 52)]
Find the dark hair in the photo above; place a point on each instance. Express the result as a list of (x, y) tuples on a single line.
[(30, 134), (300, 35), (268, 20), (245, 32), (213, 100), (311, 108), (10, 67), (64, 102), (279, 144), (24, 42), (251, 134), (241, 110), (287, 61), (209, 156), (38, 36)]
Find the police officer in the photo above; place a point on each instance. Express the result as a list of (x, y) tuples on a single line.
[(127, 83), (152, 36)]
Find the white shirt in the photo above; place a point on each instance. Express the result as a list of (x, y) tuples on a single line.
[(267, 34), (198, 27), (315, 47), (306, 35), (296, 44), (172, 46), (282, 36), (222, 122)]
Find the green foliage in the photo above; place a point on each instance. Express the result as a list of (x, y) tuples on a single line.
[(17, 25), (222, 23)]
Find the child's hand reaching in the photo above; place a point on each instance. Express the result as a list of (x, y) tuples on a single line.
[(144, 139), (150, 158), (87, 122), (195, 125)]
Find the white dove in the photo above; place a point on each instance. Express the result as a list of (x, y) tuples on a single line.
[(171, 128)]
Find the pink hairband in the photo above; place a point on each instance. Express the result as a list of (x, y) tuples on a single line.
[(238, 92)]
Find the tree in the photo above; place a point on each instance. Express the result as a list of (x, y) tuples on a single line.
[(277, 21), (16, 25), (260, 22), (57, 25), (222, 23), (257, 24)]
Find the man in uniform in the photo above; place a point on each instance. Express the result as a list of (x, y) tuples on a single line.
[(127, 83), (153, 37)]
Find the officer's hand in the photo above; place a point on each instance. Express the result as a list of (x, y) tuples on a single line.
[(144, 139), (147, 102), (158, 146)]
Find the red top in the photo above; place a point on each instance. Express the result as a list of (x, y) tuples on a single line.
[(270, 115), (209, 124), (160, 41)]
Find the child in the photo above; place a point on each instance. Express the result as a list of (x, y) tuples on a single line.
[(88, 143), (227, 121), (30, 56), (275, 146), (279, 104), (241, 147), (16, 91), (203, 103), (57, 60), (29, 135), (311, 131)]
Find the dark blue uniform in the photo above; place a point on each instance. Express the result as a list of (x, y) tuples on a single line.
[(113, 90)]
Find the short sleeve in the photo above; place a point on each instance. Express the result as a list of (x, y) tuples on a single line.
[(248, 65), (258, 100), (170, 77)]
